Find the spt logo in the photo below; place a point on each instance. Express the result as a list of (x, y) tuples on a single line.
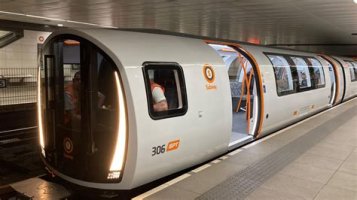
[(68, 145), (208, 73), (173, 145), (68, 148), (210, 76)]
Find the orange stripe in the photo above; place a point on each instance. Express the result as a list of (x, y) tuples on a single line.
[(335, 69), (259, 78)]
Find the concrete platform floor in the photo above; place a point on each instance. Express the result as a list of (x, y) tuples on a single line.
[(314, 159)]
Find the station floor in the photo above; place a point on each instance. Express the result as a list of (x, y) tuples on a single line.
[(314, 159)]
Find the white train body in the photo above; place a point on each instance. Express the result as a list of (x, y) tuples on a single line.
[(155, 145)]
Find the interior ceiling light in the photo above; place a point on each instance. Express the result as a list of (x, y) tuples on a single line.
[(355, 1), (60, 25)]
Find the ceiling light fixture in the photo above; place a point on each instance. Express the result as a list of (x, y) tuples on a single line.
[(60, 25), (355, 1)]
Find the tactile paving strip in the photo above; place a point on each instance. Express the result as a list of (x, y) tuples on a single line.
[(240, 185)]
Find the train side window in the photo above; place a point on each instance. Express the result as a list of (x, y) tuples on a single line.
[(353, 70), (283, 75), (303, 72), (165, 89), (317, 73)]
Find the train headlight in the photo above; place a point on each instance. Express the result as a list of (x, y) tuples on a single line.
[(39, 113), (119, 153)]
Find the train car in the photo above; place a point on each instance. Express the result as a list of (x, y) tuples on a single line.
[(119, 109), (350, 70)]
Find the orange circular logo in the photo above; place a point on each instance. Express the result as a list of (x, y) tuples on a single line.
[(208, 73), (67, 145)]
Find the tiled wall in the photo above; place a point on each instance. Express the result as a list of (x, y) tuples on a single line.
[(23, 52), (20, 59)]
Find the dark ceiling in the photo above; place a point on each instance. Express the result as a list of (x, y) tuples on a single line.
[(312, 25)]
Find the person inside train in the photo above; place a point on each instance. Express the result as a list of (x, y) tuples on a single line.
[(72, 101), (158, 94), (303, 80)]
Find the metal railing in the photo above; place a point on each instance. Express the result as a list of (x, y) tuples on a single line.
[(18, 87)]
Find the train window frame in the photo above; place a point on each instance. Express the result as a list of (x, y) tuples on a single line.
[(286, 92), (353, 70), (306, 69), (293, 69), (180, 89), (313, 72)]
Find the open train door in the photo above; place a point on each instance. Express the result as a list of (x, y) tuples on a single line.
[(335, 79), (246, 92)]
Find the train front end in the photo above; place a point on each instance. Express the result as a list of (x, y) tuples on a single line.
[(82, 116)]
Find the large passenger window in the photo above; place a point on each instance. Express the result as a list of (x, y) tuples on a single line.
[(317, 73), (296, 73), (303, 72), (283, 75), (165, 89)]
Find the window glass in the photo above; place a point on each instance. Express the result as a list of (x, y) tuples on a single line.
[(303, 72), (353, 70), (72, 87), (105, 97), (317, 75), (165, 89), (284, 80)]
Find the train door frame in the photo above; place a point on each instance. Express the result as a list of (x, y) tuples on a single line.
[(256, 133), (344, 78), (337, 77)]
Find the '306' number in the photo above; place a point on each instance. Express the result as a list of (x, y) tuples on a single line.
[(158, 150)]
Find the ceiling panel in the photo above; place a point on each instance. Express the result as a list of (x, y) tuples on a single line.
[(272, 22)]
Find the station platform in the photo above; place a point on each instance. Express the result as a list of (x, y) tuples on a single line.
[(313, 159)]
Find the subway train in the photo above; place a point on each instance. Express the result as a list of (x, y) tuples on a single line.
[(98, 126)]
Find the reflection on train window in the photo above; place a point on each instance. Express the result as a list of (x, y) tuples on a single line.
[(283, 75), (317, 73), (165, 89), (303, 72)]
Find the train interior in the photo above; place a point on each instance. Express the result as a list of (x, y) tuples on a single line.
[(80, 104), (243, 93)]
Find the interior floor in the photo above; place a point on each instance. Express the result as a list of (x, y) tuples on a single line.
[(239, 135), (239, 122)]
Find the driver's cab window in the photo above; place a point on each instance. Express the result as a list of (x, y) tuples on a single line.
[(71, 84), (88, 88), (165, 88)]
